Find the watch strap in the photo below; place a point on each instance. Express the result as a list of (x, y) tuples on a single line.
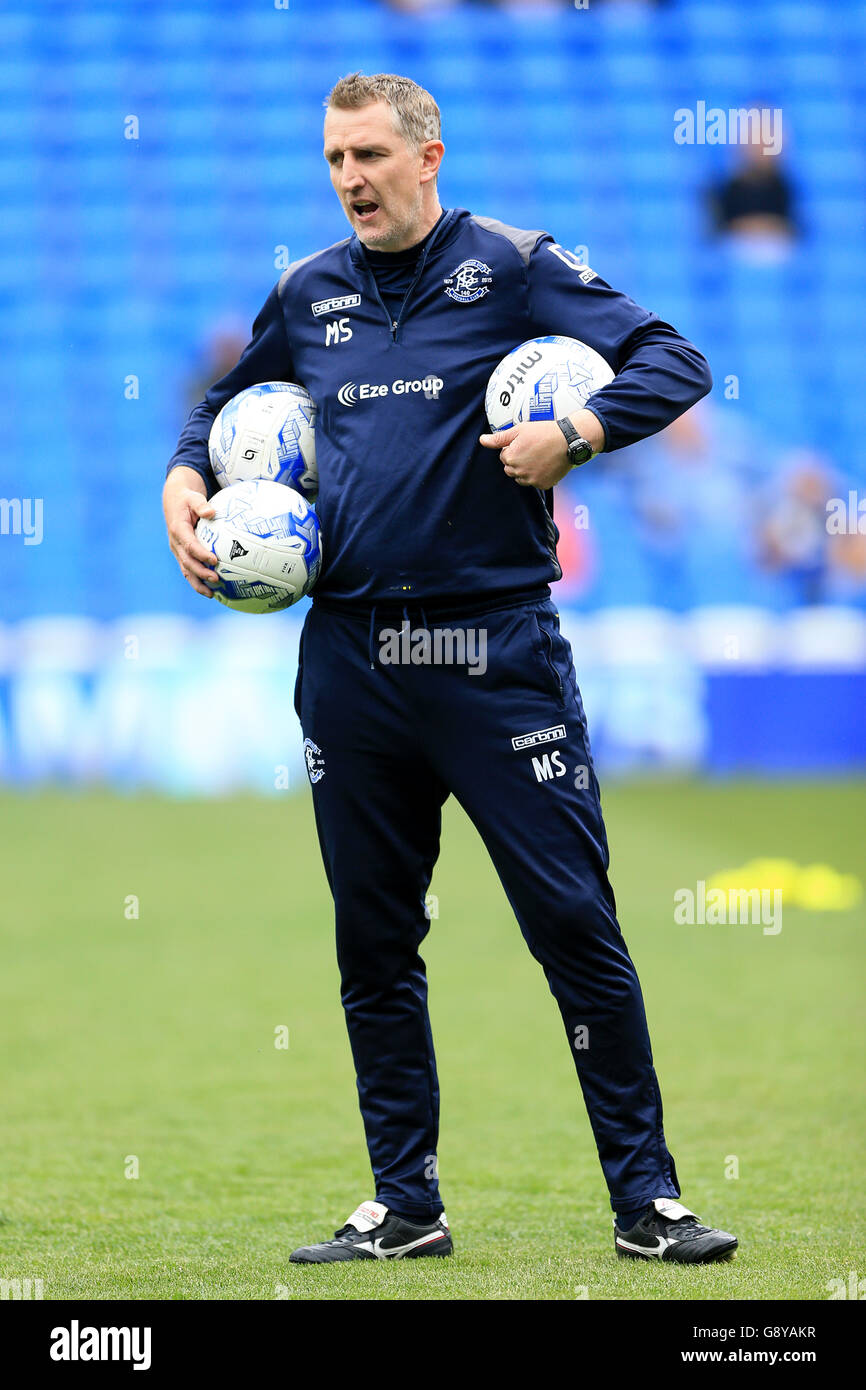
[(568, 429), (573, 440)]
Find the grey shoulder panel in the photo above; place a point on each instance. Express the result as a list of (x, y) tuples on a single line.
[(305, 260), (524, 242)]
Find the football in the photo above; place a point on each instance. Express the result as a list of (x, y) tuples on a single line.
[(267, 432), (544, 379), (267, 541)]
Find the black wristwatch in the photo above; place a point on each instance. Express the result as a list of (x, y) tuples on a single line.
[(579, 449)]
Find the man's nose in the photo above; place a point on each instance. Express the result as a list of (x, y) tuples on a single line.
[(351, 176)]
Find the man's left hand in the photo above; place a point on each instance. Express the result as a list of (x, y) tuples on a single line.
[(535, 454)]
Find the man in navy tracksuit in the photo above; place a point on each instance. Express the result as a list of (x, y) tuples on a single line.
[(432, 661)]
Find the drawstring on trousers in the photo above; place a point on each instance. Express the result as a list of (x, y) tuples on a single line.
[(407, 621), (370, 651)]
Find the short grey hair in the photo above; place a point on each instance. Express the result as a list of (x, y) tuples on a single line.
[(416, 115)]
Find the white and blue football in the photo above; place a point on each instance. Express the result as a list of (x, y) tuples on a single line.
[(544, 379), (267, 432), (268, 544)]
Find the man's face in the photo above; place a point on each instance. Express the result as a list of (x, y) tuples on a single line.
[(379, 179)]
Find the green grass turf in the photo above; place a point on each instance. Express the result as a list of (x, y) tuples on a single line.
[(155, 1037)]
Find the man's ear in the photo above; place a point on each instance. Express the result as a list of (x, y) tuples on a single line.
[(431, 157)]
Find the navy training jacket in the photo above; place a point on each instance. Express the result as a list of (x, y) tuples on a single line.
[(412, 507)]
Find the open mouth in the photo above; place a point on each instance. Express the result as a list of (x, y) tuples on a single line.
[(365, 210)]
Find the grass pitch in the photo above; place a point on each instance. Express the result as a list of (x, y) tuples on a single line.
[(156, 1144)]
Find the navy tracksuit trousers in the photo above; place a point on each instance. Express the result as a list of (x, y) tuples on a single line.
[(387, 738)]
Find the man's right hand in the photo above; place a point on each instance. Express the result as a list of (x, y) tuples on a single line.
[(184, 500)]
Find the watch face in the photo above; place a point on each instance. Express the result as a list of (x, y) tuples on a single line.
[(580, 450)]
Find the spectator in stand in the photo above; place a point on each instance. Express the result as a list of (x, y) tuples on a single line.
[(691, 490), (753, 208), (847, 579), (794, 539)]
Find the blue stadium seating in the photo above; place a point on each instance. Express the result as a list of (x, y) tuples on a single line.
[(117, 256)]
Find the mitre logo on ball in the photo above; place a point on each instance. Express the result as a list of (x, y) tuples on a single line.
[(544, 379)]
